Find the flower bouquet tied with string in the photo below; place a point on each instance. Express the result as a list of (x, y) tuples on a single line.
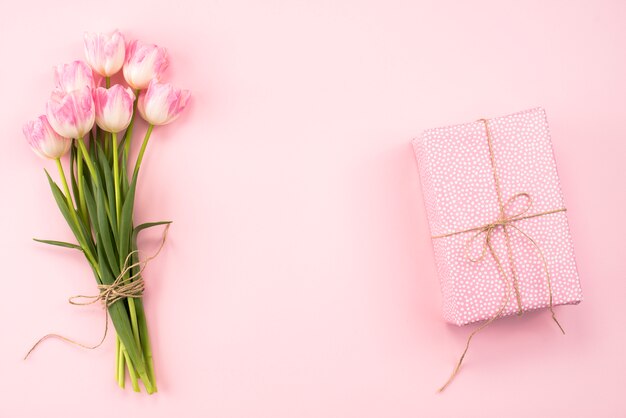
[(92, 120)]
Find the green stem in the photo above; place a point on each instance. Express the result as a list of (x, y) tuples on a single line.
[(146, 346), (81, 184), (133, 320), (129, 130), (90, 166), (144, 144), (106, 144), (116, 178), (120, 370), (131, 371), (107, 81)]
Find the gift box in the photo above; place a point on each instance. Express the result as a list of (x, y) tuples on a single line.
[(498, 222)]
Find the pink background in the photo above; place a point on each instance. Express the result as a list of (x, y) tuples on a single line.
[(299, 279)]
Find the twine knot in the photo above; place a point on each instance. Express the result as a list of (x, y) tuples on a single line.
[(124, 286)]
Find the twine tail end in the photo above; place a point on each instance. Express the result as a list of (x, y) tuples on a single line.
[(28, 354), (36, 345), (452, 376), (68, 340), (557, 323), (458, 365)]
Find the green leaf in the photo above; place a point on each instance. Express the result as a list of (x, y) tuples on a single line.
[(126, 220), (136, 231), (85, 228), (121, 322), (65, 210), (94, 182), (87, 233), (91, 205), (123, 179), (93, 215), (146, 225), (92, 150), (120, 147), (104, 231), (110, 190), (72, 174), (59, 243), (146, 347)]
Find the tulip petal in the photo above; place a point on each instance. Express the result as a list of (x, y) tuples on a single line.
[(161, 103)]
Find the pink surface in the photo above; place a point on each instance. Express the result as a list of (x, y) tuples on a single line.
[(460, 193), (298, 280)]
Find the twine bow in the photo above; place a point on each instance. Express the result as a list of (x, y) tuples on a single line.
[(485, 233), (131, 286)]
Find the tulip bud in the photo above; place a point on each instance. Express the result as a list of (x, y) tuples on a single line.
[(114, 107), (71, 114), (73, 76), (143, 63), (105, 52), (162, 103), (44, 140)]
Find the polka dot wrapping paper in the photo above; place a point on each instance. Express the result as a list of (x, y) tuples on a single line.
[(460, 193)]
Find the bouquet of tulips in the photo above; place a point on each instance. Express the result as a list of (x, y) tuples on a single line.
[(93, 121)]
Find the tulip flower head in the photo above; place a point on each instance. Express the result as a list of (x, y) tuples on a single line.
[(143, 63), (114, 107), (105, 52), (44, 140), (73, 76), (161, 103), (71, 114)]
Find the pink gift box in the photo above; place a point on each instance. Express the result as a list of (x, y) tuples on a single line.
[(456, 165)]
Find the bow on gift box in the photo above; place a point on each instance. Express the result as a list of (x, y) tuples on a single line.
[(485, 233)]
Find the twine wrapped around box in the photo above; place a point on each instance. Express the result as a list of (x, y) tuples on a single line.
[(485, 232)]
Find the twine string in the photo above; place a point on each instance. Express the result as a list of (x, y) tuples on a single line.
[(122, 287), (503, 216), (485, 234)]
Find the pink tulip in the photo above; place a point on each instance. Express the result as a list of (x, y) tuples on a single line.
[(73, 76), (71, 114), (44, 140), (143, 63), (162, 103), (105, 52), (114, 107)]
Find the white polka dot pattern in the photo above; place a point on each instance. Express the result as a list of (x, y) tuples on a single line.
[(459, 193)]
